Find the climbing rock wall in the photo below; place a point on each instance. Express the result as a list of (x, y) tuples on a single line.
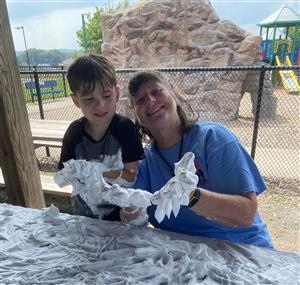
[(176, 33)]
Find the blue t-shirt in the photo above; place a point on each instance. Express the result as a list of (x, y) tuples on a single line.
[(223, 166)]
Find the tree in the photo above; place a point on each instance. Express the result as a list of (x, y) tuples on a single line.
[(93, 27), (93, 32)]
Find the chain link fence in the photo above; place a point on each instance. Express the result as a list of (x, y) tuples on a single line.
[(259, 104)]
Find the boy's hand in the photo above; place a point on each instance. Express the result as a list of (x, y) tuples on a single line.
[(134, 216), (112, 174)]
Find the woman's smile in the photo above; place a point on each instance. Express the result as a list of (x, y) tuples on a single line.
[(155, 111)]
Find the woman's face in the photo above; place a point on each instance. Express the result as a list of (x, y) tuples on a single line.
[(155, 106)]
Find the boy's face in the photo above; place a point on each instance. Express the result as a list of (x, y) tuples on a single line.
[(99, 106)]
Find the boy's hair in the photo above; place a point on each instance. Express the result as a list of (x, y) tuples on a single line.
[(86, 70), (184, 110)]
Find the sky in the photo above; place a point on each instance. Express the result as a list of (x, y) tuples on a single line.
[(52, 24)]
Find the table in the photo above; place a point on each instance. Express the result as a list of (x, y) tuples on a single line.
[(48, 247), (48, 132)]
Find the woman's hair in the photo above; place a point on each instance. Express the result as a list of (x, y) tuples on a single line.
[(184, 109)]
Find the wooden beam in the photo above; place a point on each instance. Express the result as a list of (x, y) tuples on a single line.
[(17, 156)]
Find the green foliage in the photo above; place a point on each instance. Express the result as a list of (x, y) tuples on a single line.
[(294, 34), (40, 56), (93, 27), (93, 32)]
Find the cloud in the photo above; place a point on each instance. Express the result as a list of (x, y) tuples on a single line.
[(52, 30)]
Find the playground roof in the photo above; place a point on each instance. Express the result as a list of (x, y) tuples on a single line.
[(282, 17)]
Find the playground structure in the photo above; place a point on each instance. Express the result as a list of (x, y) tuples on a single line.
[(281, 44), (288, 77)]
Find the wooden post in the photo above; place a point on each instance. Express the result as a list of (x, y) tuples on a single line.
[(17, 155)]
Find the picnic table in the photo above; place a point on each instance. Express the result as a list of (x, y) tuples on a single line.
[(48, 132), (48, 247)]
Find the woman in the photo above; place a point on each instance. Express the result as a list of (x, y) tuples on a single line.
[(224, 205)]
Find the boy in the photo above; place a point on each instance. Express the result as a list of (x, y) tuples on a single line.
[(101, 134)]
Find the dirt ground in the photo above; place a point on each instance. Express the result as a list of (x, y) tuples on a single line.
[(279, 207)]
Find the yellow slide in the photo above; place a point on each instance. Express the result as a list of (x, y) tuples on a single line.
[(288, 77)]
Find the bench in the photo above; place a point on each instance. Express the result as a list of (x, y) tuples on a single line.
[(40, 143), (48, 186), (48, 133), (46, 87)]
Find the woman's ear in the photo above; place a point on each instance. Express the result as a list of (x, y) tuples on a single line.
[(75, 99)]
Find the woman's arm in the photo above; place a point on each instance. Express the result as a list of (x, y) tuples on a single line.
[(227, 209)]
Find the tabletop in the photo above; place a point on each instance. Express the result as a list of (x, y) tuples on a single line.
[(48, 247)]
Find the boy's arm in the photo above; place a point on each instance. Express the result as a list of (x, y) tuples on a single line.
[(128, 173)]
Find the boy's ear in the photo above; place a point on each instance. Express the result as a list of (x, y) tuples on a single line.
[(118, 92), (75, 100)]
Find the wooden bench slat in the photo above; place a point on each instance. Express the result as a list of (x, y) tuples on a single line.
[(40, 143), (48, 186), (48, 131)]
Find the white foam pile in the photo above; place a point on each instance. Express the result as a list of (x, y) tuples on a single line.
[(48, 247), (87, 180)]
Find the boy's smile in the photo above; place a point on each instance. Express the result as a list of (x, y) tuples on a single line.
[(100, 114)]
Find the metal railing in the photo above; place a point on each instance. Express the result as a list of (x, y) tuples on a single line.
[(260, 104)]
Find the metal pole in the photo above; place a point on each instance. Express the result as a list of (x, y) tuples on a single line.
[(84, 34), (26, 50), (257, 113), (64, 82), (38, 91)]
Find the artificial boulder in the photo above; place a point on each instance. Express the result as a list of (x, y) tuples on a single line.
[(184, 33)]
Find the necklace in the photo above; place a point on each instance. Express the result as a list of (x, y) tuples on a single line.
[(167, 163)]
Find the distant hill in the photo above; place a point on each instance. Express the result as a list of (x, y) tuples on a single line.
[(63, 50), (45, 57), (18, 52)]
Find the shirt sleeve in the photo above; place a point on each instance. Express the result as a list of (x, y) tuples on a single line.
[(68, 147), (231, 170), (126, 133)]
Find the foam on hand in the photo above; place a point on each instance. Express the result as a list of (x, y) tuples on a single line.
[(87, 180), (175, 193)]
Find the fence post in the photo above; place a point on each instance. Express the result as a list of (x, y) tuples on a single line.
[(257, 113), (38, 92), (64, 81)]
